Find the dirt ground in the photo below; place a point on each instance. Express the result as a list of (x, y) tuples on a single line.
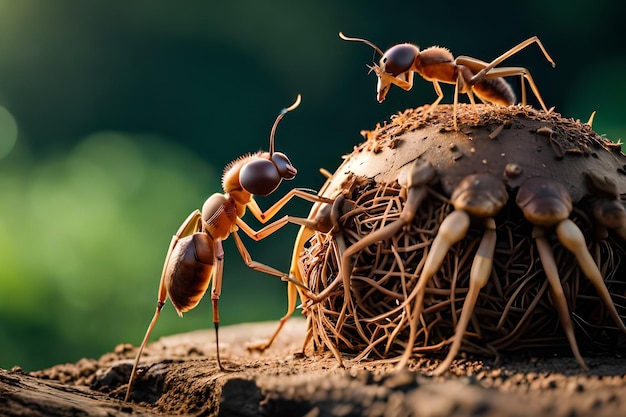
[(179, 376)]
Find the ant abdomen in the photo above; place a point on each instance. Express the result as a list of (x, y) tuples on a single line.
[(495, 91), (187, 275)]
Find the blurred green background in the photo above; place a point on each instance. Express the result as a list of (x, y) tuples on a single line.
[(117, 118)]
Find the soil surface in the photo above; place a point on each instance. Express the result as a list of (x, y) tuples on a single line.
[(179, 376)]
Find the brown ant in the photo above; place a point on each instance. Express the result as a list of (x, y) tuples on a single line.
[(469, 75), (195, 255)]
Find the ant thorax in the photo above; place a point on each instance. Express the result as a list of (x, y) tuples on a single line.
[(231, 183), (230, 176)]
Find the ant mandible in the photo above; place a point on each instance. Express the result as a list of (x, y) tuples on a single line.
[(469, 75), (195, 255)]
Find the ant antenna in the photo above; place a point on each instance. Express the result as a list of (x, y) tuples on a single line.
[(346, 38), (278, 119)]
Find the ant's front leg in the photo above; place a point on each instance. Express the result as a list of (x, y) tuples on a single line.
[(319, 221), (304, 234), (264, 216), (386, 80), (261, 234)]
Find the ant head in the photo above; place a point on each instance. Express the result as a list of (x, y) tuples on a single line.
[(399, 59), (395, 63), (266, 170), (263, 175)]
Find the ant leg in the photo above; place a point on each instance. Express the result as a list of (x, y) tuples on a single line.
[(264, 216), (304, 235), (435, 103), (265, 231), (257, 266), (325, 221), (386, 80), (322, 219), (478, 67), (292, 297), (525, 75), (483, 72), (216, 291), (462, 86), (455, 102), (191, 225)]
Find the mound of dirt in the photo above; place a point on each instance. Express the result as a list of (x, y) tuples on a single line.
[(179, 376)]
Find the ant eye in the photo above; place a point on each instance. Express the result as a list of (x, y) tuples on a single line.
[(259, 177), (283, 164), (398, 59)]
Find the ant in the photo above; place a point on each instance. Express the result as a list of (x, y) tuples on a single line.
[(195, 255), (469, 75)]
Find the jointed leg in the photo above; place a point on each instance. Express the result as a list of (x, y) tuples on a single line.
[(386, 80), (257, 266), (439, 93), (337, 209), (479, 275), (525, 76), (483, 72), (572, 238), (216, 290), (264, 216), (414, 179), (462, 87), (414, 199), (549, 266), (304, 235), (502, 72), (191, 225), (453, 228)]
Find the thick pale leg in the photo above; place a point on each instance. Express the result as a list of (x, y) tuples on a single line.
[(479, 275), (414, 199), (453, 228), (549, 266), (572, 238), (414, 179), (340, 205)]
